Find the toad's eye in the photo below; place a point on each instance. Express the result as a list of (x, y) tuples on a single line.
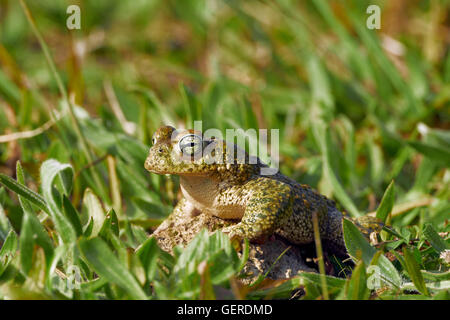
[(190, 144), (153, 141)]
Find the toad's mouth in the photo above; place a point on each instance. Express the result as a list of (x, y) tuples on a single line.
[(149, 167)]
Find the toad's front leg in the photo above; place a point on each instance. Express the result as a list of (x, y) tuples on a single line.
[(266, 210), (184, 209)]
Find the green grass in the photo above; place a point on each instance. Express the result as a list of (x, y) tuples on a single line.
[(354, 114)]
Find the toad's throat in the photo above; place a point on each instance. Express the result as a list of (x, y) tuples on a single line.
[(206, 195)]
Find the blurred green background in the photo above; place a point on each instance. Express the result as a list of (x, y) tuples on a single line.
[(235, 64), (356, 108)]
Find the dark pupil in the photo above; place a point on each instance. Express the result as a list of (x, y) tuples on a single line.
[(189, 144)]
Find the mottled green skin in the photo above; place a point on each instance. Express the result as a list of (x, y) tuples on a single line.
[(264, 204)]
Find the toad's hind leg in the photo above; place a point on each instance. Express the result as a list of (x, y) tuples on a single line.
[(332, 232), (266, 210)]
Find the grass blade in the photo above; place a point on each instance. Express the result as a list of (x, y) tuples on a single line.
[(322, 135), (414, 271), (50, 170), (8, 251), (360, 249), (25, 192), (108, 266), (26, 243), (95, 211), (433, 237), (73, 216), (357, 287), (148, 254), (387, 203), (31, 227), (438, 154)]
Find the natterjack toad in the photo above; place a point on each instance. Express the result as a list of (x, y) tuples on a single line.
[(220, 179)]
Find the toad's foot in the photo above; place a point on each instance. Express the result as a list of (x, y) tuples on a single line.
[(235, 232)]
